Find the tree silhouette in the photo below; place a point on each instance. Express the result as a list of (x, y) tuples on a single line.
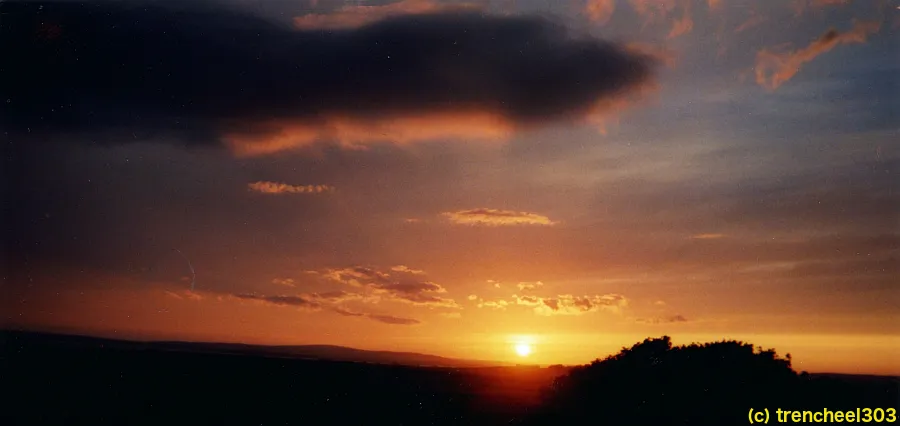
[(655, 383)]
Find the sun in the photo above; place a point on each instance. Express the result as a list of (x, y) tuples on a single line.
[(523, 349)]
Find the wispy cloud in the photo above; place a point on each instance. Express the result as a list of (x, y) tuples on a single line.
[(495, 217), (287, 282), (387, 319), (753, 21), (184, 295), (494, 304), (329, 301), (683, 24), (267, 187), (774, 69), (529, 285), (408, 270), (600, 11), (707, 236), (355, 16)]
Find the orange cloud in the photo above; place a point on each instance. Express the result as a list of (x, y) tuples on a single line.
[(408, 270), (383, 285), (567, 304), (287, 282), (357, 133), (283, 188), (774, 69), (600, 11), (355, 16), (684, 24), (707, 236), (714, 4), (494, 217), (498, 305)]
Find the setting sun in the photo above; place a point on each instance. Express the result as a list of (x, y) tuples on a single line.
[(523, 349)]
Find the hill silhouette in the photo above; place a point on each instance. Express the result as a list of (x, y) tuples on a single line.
[(311, 352)]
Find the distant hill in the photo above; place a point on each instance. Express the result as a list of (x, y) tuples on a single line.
[(317, 352)]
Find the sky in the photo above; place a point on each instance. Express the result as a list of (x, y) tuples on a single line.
[(457, 178)]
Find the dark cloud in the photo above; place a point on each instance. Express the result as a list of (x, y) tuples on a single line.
[(111, 71), (311, 302), (663, 320), (387, 319), (297, 301)]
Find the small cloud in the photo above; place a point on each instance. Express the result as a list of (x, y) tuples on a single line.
[(600, 11), (266, 187), (663, 320), (684, 24), (707, 236), (403, 268), (499, 304), (494, 217), (659, 303), (527, 300), (451, 315), (496, 284), (473, 297), (412, 220), (566, 304), (774, 69), (287, 282), (529, 285)]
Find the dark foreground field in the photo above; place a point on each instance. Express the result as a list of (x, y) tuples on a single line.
[(52, 380)]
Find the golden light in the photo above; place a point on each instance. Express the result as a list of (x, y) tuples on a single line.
[(523, 349)]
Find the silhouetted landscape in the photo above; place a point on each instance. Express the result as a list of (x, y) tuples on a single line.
[(58, 379)]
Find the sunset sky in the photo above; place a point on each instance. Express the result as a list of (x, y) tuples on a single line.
[(457, 178)]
